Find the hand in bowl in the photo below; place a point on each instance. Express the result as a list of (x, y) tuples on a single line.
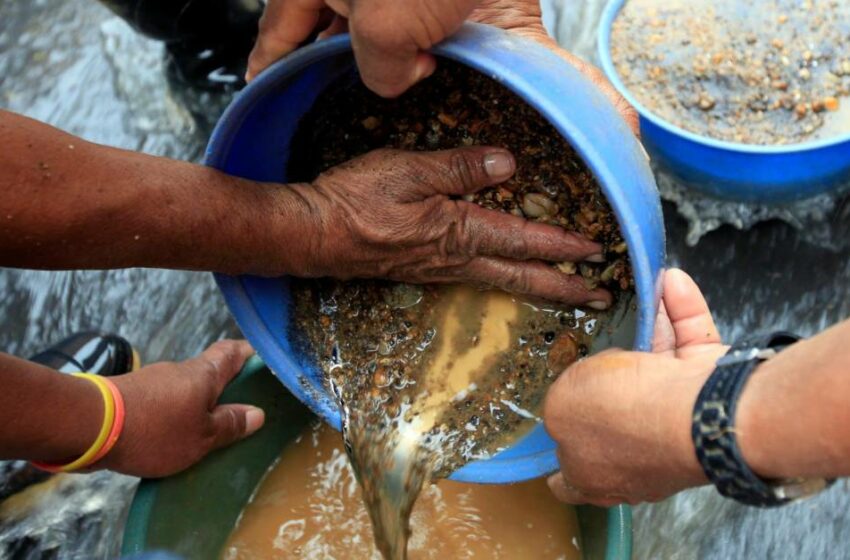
[(401, 215)]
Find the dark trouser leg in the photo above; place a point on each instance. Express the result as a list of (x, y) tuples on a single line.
[(208, 40)]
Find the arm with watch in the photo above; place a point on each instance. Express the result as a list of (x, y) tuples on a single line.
[(766, 421)]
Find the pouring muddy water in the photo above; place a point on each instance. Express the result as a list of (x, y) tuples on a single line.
[(429, 378), (436, 381)]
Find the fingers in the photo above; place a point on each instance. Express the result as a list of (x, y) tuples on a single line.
[(463, 170), (390, 38), (221, 361), (688, 312), (285, 24), (232, 422), (493, 233), (337, 26), (534, 279), (389, 69), (568, 494), (563, 491)]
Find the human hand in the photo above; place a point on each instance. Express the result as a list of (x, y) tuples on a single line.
[(172, 419), (399, 215), (524, 17), (390, 38), (622, 420)]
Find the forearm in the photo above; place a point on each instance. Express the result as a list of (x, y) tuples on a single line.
[(70, 204), (794, 413), (45, 415)]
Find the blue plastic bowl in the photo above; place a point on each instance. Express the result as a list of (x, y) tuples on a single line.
[(252, 140), (731, 170)]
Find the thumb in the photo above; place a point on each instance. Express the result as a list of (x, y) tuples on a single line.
[(688, 313), (467, 170), (232, 422)]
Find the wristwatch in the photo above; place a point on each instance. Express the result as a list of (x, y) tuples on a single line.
[(713, 429)]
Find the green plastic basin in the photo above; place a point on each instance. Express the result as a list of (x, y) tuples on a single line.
[(193, 513)]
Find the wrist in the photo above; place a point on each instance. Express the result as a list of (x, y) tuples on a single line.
[(757, 432), (248, 227), (72, 420), (683, 393)]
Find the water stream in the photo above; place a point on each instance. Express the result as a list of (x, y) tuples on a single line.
[(74, 65)]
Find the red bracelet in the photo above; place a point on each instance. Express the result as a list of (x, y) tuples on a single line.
[(118, 423)]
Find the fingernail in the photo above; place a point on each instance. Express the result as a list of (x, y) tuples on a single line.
[(254, 419), (425, 66), (599, 305), (597, 258), (499, 165)]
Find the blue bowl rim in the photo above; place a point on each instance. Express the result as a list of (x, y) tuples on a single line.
[(647, 286), (609, 14)]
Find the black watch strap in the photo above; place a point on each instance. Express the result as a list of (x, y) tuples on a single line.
[(713, 427)]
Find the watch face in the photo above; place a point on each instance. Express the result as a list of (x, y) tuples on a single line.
[(799, 488)]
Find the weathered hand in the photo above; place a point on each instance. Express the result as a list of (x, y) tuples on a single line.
[(622, 420), (400, 215), (172, 419), (524, 17), (390, 38)]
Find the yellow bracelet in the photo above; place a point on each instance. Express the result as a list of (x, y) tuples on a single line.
[(108, 419)]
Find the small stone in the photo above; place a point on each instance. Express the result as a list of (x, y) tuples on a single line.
[(783, 18), (563, 353), (537, 205), (608, 274), (371, 123), (777, 44), (566, 267), (706, 102), (800, 110), (804, 74), (380, 377), (831, 103), (447, 120)]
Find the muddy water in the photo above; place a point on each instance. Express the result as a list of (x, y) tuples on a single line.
[(309, 507), (429, 378)]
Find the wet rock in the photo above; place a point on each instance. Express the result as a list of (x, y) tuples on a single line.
[(563, 352), (536, 205), (402, 296)]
